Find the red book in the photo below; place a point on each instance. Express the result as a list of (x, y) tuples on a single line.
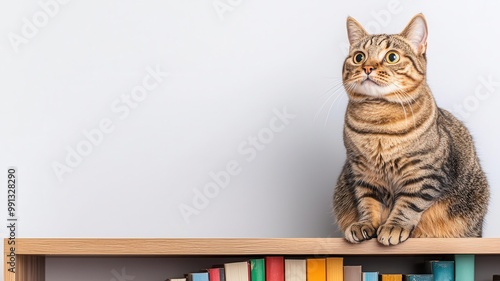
[(275, 268), (216, 274)]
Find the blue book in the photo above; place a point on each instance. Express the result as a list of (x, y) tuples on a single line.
[(443, 270), (198, 276), (419, 277), (370, 276), (464, 267)]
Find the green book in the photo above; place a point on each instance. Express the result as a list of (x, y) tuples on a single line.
[(464, 267), (257, 270)]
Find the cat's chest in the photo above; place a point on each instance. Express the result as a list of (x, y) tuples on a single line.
[(380, 150), (380, 158)]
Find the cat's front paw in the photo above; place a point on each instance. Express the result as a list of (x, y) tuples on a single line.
[(359, 231), (392, 234)]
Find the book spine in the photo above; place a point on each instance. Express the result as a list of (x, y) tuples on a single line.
[(464, 267), (419, 277), (316, 269), (295, 270), (391, 277), (370, 276), (275, 268), (198, 276), (335, 269), (213, 274), (237, 271), (443, 270), (257, 270), (352, 273), (222, 274)]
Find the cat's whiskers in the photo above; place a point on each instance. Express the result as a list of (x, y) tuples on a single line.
[(335, 85), (337, 92), (331, 106)]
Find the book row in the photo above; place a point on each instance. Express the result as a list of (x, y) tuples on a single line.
[(280, 268)]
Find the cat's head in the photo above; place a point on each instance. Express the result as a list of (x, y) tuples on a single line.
[(385, 66)]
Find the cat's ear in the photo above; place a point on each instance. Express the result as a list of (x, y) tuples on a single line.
[(354, 31), (416, 33)]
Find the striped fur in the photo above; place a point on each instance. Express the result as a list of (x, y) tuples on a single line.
[(411, 168)]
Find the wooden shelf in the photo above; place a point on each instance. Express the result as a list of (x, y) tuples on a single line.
[(250, 246), (31, 252)]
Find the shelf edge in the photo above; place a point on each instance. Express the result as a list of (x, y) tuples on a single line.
[(248, 246)]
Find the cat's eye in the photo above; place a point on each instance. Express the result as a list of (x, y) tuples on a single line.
[(392, 57), (358, 57)]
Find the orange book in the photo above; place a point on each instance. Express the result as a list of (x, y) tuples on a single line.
[(391, 277), (335, 269), (316, 269)]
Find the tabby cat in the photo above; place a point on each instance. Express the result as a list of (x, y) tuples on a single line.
[(411, 168)]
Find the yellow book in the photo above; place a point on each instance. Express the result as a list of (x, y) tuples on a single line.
[(335, 269), (392, 277), (316, 269)]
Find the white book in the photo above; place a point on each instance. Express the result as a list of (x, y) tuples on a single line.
[(295, 270), (237, 271)]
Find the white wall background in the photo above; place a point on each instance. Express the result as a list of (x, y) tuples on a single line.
[(68, 68)]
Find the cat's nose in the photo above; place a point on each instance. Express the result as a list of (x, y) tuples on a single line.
[(368, 69)]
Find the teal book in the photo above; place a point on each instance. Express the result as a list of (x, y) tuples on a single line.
[(257, 270), (464, 267), (443, 270), (419, 277), (370, 276)]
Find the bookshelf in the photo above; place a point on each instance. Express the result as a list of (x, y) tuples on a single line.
[(31, 252)]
